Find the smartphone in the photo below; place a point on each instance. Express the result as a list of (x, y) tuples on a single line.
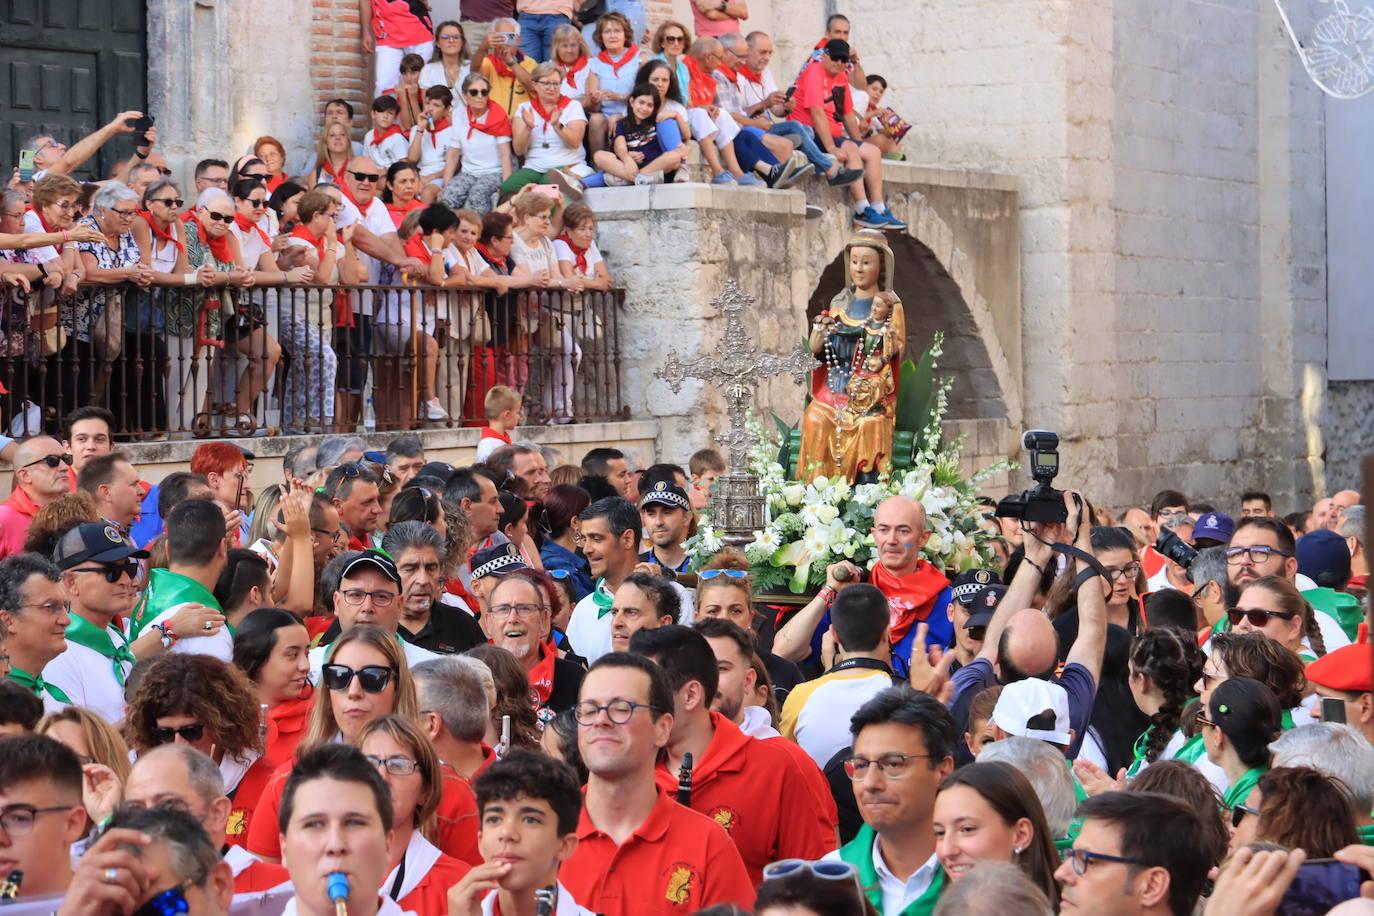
[(509, 37), (26, 165), (429, 122), (143, 125), (1333, 710), (548, 190)]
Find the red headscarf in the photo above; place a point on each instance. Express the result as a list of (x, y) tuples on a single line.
[(503, 70), (541, 675), (439, 126), (750, 75), (316, 242), (494, 122), (391, 131), (729, 74), (631, 53), (221, 248), (46, 228), (398, 212), (328, 168)]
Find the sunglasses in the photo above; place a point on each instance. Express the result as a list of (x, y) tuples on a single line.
[(372, 678), (707, 575), (674, 39), (559, 574), (479, 93), (1238, 814), (1257, 618), (169, 201), (256, 204), (113, 571), (193, 732), (170, 902), (52, 461), (366, 176), (220, 217)]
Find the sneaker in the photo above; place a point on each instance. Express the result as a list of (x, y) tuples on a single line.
[(615, 181), (681, 176), (794, 170), (814, 212), (774, 176), (435, 410), (652, 178), (724, 178), (845, 177), (751, 180), (890, 221), (569, 184), (870, 219)]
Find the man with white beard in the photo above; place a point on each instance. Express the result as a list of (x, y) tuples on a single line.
[(520, 621)]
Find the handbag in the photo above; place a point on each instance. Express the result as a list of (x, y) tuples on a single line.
[(49, 336), (107, 328), (590, 11)]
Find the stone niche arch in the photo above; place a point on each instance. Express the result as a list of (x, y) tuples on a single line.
[(984, 387)]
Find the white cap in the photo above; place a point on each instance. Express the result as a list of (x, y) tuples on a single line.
[(1033, 708)]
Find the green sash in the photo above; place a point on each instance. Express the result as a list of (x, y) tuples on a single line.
[(1340, 607), (602, 598), (1193, 750), (101, 639), (1366, 834), (858, 852), (39, 686), (1140, 744), (1240, 789), (165, 589)]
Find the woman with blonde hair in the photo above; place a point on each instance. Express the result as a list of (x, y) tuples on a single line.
[(333, 150), (572, 56), (421, 873), (725, 589), (448, 65)]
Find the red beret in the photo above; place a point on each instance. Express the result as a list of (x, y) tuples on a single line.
[(1349, 668)]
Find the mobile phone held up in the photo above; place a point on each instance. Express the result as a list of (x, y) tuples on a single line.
[(143, 125), (26, 165), (1333, 710)]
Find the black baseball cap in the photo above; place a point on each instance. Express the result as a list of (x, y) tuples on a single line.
[(94, 542), (372, 559), (837, 49), (984, 606)]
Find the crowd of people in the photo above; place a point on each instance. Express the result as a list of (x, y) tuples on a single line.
[(470, 689), (210, 305)]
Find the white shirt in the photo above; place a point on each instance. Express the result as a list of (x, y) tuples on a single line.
[(591, 636), (33, 224), (393, 149), (751, 94), (433, 75), (219, 644), (240, 860), (534, 257), (565, 905), (1160, 580), (898, 894), (486, 446), (563, 251), (419, 858), (251, 245), (434, 149), (481, 151), (414, 655), (88, 679), (758, 724), (547, 149), (377, 221)]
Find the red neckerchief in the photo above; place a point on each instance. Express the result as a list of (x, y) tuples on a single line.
[(301, 232), (541, 675), (220, 248), (750, 75), (579, 254), (47, 228), (731, 75), (327, 168), (910, 598), (575, 68), (605, 57), (166, 235), (391, 131), (489, 433), (701, 86), (274, 182), (494, 122), (398, 213), (244, 224), (439, 126), (343, 188), (538, 106), (503, 70)]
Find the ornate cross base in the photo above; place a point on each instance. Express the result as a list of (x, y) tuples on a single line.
[(737, 508)]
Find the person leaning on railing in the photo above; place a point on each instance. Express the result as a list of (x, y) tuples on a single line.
[(534, 257)]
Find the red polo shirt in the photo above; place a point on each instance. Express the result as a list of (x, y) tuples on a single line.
[(758, 793), (431, 894), (818, 89), (260, 876), (285, 727), (677, 862)]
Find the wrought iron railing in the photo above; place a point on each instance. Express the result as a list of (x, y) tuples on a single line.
[(197, 362)]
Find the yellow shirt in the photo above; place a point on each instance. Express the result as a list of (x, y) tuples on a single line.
[(507, 91)]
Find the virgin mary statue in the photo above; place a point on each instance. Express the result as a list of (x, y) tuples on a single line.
[(847, 428)]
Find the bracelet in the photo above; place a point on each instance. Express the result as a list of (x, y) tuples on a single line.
[(169, 636), (66, 236), (190, 279), (1033, 564), (827, 594)]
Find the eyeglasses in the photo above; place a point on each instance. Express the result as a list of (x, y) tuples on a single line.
[(52, 608), (1172, 513), (517, 610), (220, 217), (1080, 859), (44, 146), (65, 204), (450, 37), (336, 535), (372, 678), (164, 172), (366, 176), (52, 461), (706, 575), (976, 633), (893, 766), (1130, 572), (1238, 814), (549, 84), (18, 819), (396, 765), (618, 711), (113, 571), (123, 214), (176, 202), (674, 39), (1205, 722), (354, 597), (479, 93), (1257, 617), (171, 902), (1252, 555), (193, 732), (216, 182)]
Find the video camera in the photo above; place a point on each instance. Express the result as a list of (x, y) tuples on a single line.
[(1174, 548), (1044, 503)]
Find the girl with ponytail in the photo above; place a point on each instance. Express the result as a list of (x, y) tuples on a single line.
[(1165, 663)]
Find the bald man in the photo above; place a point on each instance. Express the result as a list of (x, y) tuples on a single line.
[(1339, 503), (916, 591), (1021, 642), (40, 476)]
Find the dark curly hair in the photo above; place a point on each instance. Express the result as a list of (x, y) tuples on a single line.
[(1257, 656), (217, 695), (1172, 661)]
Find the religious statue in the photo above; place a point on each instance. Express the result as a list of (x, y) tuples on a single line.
[(848, 425)]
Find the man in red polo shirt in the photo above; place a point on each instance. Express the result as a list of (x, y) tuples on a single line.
[(754, 789), (640, 853), (40, 476)]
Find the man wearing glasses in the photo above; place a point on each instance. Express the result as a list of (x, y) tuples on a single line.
[(640, 852), (34, 611), (903, 750), (98, 574), (516, 621), (369, 592), (52, 157), (1139, 853), (40, 476), (41, 815)]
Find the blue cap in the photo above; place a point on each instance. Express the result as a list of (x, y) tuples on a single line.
[(1324, 558), (1214, 526)]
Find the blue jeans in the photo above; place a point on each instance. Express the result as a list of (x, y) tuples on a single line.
[(806, 142), (536, 34), (632, 10), (750, 151)]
